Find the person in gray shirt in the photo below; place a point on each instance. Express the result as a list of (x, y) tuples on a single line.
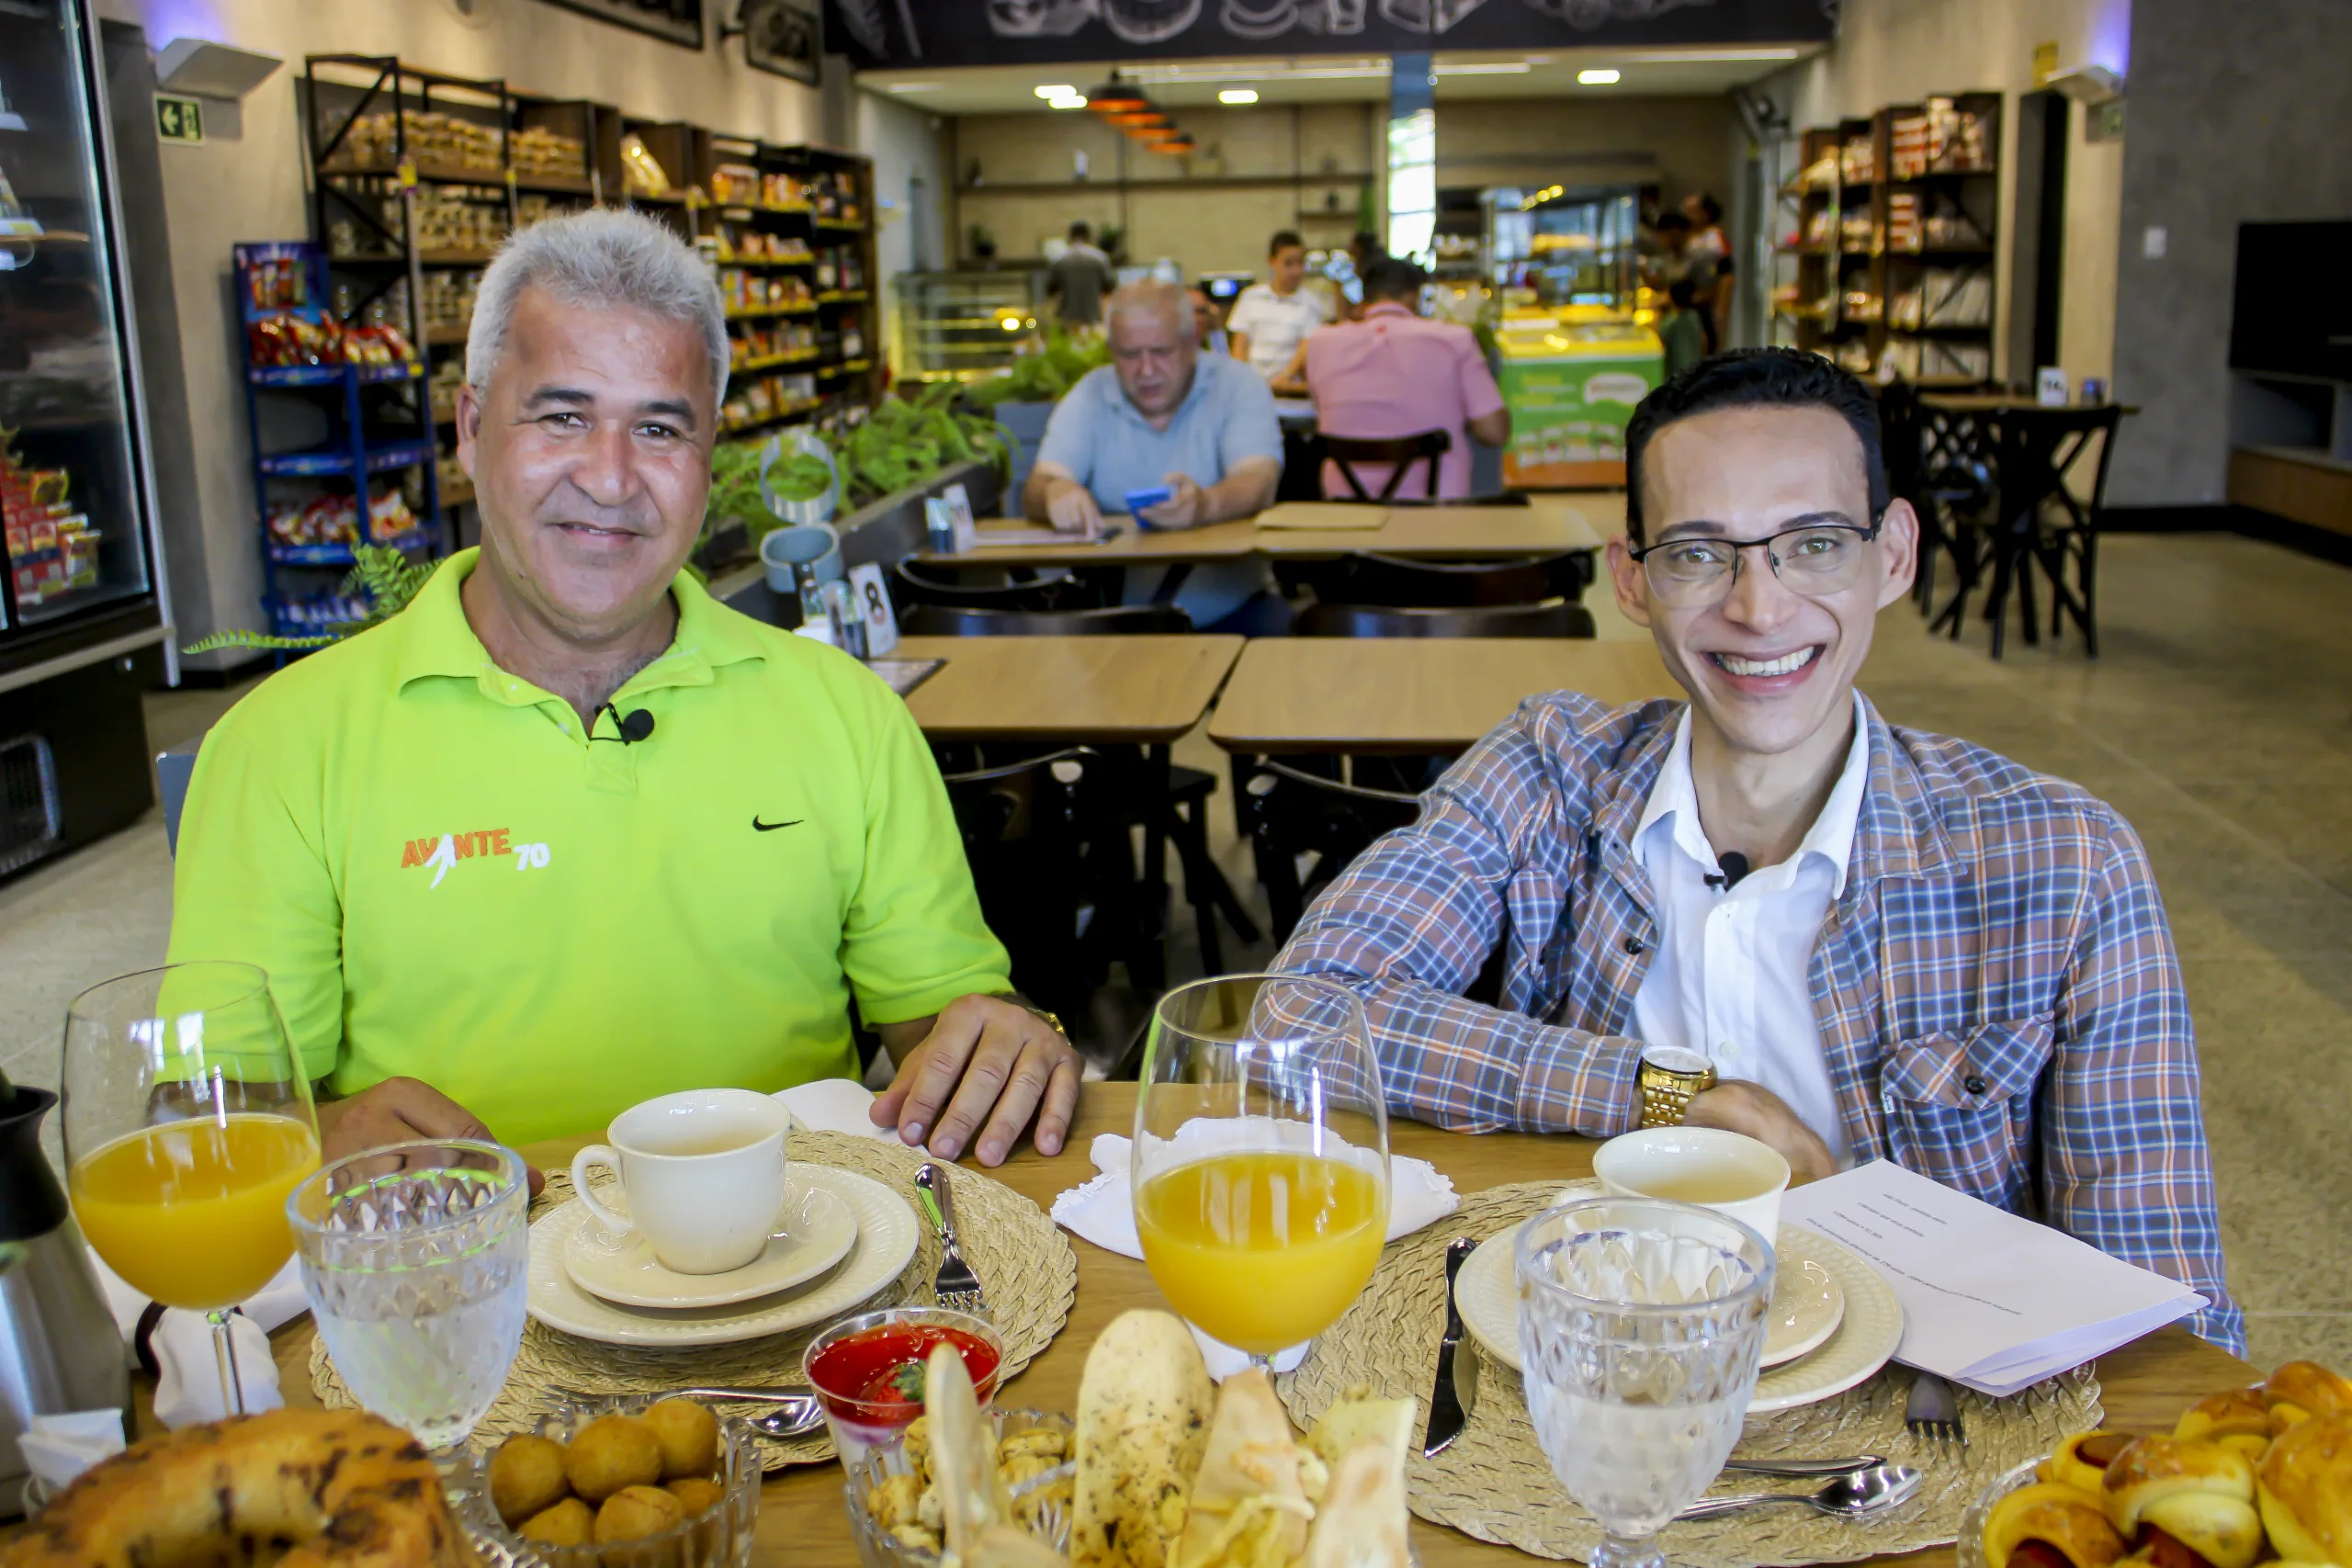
[(1162, 415), (1079, 278)]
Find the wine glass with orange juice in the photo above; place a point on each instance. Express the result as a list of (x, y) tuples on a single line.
[(188, 1122), (1261, 1157)]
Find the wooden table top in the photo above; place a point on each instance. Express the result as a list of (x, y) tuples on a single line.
[(1413, 694), (2007, 402), (1552, 526), (2147, 1384), (1143, 689)]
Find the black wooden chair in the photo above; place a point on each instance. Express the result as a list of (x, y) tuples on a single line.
[(1392, 582), (1551, 617), (987, 587), (1035, 838), (1344, 452), (2036, 520), (968, 620), (1288, 812)]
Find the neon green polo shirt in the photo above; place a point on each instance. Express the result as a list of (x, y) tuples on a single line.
[(446, 879)]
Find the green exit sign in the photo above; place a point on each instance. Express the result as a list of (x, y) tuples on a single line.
[(178, 119)]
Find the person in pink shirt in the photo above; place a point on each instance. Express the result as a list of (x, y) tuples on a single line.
[(1393, 373)]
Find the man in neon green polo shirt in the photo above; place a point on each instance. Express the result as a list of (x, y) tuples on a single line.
[(565, 833)]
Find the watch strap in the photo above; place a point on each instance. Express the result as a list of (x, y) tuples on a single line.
[(1667, 1078)]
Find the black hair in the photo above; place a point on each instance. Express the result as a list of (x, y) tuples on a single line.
[(1367, 241), (1683, 292), (1709, 205), (1282, 239), (1078, 230), (1393, 277), (1670, 221), (1755, 377)]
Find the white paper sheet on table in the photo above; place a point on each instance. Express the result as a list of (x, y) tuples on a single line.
[(1989, 1300), (1103, 1210)]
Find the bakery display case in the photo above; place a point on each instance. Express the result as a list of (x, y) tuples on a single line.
[(963, 324)]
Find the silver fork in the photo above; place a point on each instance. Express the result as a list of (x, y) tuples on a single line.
[(1932, 1413), (957, 1288)]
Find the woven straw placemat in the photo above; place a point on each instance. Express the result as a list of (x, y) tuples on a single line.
[(1025, 1264), (1495, 1483)]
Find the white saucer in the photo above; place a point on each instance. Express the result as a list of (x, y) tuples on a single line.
[(886, 1240), (815, 1229), (1861, 1333)]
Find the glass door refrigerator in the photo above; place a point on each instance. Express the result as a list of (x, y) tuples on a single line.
[(83, 624)]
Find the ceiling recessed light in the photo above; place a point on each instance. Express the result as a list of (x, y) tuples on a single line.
[(1066, 101), (1602, 77), (1060, 90), (1238, 96)]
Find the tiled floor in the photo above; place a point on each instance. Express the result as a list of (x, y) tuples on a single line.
[(2219, 720)]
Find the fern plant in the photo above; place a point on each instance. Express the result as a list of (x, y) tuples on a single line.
[(389, 579)]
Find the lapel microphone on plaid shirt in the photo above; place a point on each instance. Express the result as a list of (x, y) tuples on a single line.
[(1735, 866)]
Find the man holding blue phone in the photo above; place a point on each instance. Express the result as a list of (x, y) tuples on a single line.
[(1175, 439)]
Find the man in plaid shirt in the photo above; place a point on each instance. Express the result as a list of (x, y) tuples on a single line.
[(1940, 957)]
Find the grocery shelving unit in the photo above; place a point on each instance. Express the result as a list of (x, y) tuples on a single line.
[(378, 444), (1892, 222)]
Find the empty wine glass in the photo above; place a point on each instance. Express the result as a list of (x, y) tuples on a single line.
[(416, 1260), (1640, 1326)]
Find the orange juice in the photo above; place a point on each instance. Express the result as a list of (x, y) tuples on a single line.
[(194, 1212), (1261, 1250)]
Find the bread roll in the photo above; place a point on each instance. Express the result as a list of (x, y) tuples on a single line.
[(2306, 1491), (2235, 1420), (2067, 1520), (2200, 1493), (1143, 1419), (2082, 1460), (2301, 1390)]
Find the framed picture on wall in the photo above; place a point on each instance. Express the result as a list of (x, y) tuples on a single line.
[(673, 22), (782, 36)]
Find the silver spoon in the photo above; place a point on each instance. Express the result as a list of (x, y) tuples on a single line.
[(791, 1418), (1855, 1497)]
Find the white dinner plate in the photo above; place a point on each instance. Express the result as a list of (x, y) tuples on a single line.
[(1857, 1343), (815, 1229), (885, 1239)]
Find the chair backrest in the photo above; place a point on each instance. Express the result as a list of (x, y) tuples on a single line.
[(1554, 618), (1497, 498), (1288, 811), (173, 770), (1400, 453), (963, 620), (1374, 579), (2051, 441), (983, 587)]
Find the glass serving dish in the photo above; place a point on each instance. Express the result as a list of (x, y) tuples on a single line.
[(1041, 1499), (1969, 1549), (719, 1537)]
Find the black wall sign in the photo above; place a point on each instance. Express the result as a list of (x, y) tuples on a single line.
[(782, 36), (879, 34), (675, 21)]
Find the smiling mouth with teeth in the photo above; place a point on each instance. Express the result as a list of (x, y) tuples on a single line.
[(1787, 664)]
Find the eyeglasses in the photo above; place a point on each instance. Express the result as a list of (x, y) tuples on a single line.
[(1816, 560)]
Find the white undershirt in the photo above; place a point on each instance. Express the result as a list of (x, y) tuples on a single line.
[(1730, 978)]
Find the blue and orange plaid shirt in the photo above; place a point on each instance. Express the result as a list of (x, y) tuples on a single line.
[(1996, 986)]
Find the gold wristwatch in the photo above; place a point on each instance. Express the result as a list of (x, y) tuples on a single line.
[(1668, 1077)]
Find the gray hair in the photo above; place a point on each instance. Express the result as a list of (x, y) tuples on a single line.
[(602, 257), (1152, 297)]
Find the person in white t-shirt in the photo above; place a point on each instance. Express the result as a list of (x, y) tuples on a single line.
[(1271, 319)]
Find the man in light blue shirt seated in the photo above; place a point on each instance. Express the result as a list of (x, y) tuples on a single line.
[(1162, 415)]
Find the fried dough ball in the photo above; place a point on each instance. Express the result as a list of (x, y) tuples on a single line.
[(688, 1433), (697, 1494), (610, 1454), (569, 1523), (525, 1476), (634, 1512)]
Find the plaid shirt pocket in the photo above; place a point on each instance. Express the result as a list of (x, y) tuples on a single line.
[(1960, 1106)]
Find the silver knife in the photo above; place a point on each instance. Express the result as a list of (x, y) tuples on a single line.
[(1456, 1390)]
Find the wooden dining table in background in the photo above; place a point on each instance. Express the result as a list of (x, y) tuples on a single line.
[(802, 1520), (1413, 695), (1133, 690)]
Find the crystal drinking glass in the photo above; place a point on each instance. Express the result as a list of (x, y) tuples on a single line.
[(188, 1121), (1261, 1167), (1640, 1325), (416, 1259)]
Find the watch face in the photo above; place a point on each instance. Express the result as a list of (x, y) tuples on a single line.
[(1674, 1059)]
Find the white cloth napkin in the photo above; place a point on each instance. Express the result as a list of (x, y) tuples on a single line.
[(188, 1385), (1102, 1211), (57, 1448), (835, 1105)]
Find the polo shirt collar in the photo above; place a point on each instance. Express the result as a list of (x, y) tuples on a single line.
[(437, 640), (1386, 306), (1674, 803)]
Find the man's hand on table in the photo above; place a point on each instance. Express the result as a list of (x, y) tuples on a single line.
[(1738, 1107), (398, 1111), (984, 1065), (1186, 507), (1069, 507)]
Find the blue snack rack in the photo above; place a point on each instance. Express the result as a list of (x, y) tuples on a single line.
[(379, 422)]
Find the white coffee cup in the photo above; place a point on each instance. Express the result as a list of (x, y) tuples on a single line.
[(1729, 1172), (704, 1173)]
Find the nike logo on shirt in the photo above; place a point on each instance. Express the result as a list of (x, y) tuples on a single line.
[(760, 827)]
